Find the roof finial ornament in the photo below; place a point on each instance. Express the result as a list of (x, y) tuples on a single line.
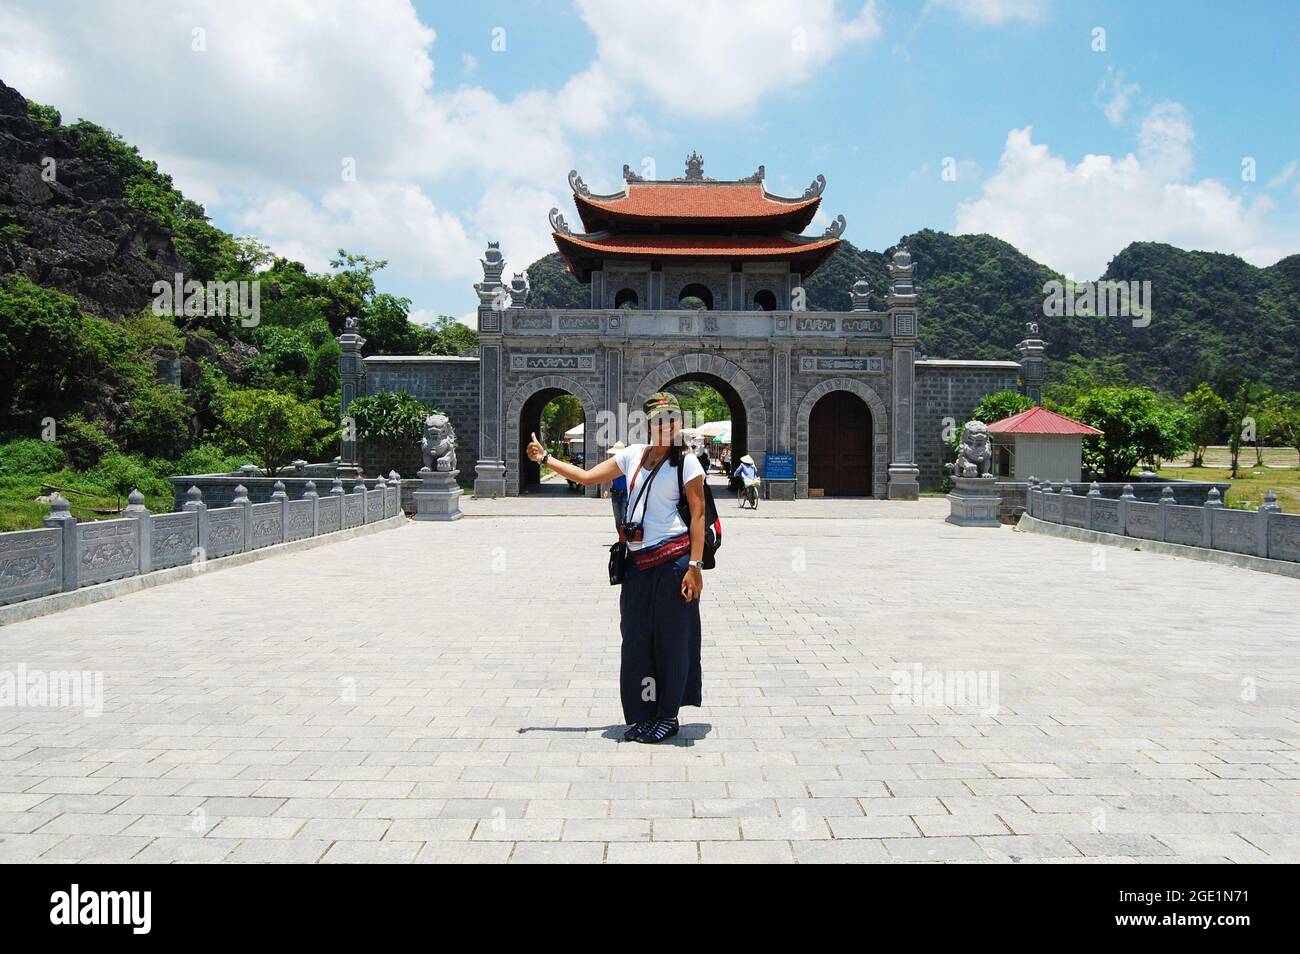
[(577, 185), (818, 186), (836, 228), (758, 176), (694, 166), (558, 224), (629, 175)]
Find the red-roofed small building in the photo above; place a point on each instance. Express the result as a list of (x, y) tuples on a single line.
[(1039, 443)]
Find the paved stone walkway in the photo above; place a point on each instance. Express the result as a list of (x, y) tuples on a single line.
[(448, 692)]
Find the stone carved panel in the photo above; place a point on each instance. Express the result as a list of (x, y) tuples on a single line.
[(1105, 515), (31, 564), (175, 538), (300, 512), (1184, 525), (109, 549), (553, 362), (331, 513), (265, 528), (225, 531), (374, 507), (814, 324), (836, 364), (1284, 536), (580, 322), (1234, 530), (1143, 520), (863, 326), (905, 324), (353, 515), (531, 322)]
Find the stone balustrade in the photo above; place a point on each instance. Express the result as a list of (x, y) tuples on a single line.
[(66, 554), (1267, 532)]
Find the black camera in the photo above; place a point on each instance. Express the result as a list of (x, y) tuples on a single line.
[(633, 532)]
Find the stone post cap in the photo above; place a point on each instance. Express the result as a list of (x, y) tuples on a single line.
[(1094, 490), (359, 487), (1270, 503), (394, 475), (1128, 493), (1167, 495), (336, 486), (241, 495), (309, 490), (1214, 498), (1066, 488), (193, 495), (277, 490), (60, 509), (380, 484), (249, 470)]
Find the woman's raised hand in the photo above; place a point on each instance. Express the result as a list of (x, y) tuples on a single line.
[(535, 449)]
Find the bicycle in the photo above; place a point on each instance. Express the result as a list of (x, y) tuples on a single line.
[(748, 494)]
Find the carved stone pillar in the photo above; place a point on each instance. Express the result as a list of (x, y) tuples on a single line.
[(352, 384), (1031, 363), (782, 412), (904, 483), (490, 469)]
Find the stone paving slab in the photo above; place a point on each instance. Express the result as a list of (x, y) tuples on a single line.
[(447, 693)]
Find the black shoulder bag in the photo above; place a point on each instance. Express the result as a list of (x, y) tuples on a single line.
[(712, 522)]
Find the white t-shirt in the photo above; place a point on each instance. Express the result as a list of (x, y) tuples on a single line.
[(660, 521)]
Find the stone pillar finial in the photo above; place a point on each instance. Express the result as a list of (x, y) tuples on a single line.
[(1270, 502), (519, 290), (859, 293)]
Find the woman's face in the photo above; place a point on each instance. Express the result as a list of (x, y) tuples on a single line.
[(664, 430)]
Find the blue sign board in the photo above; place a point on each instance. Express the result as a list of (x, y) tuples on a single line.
[(778, 467)]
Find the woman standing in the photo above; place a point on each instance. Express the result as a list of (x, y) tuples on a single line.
[(659, 607)]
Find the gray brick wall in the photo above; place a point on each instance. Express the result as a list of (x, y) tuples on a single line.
[(452, 384), (951, 390)]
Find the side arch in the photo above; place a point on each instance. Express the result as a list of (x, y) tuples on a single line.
[(879, 433), (525, 390), (712, 364)]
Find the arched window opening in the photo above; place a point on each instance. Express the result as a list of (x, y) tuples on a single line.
[(696, 296), (626, 298), (765, 300)]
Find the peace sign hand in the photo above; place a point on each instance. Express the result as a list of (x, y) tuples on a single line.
[(535, 449)]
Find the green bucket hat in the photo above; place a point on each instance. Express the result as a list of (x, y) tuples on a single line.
[(659, 404)]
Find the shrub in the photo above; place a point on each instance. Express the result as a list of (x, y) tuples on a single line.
[(30, 458), (84, 442), (275, 427), (390, 417)]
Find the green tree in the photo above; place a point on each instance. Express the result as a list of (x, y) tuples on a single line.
[(1208, 414), (1136, 426), (395, 417), (447, 336), (275, 427), (1284, 419), (40, 338)]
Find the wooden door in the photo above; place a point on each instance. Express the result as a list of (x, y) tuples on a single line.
[(839, 446)]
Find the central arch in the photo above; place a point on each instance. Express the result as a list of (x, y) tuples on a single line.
[(713, 368), (879, 427), (515, 440)]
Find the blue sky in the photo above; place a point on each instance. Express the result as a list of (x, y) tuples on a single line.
[(461, 120)]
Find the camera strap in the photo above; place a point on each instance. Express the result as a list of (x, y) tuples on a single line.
[(641, 491)]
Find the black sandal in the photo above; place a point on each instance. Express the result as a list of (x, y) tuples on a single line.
[(660, 730), (635, 730)]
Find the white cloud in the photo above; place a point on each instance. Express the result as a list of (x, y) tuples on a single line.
[(1075, 218), (993, 12), (710, 58), (1115, 95)]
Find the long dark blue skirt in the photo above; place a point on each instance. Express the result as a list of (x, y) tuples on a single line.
[(660, 669)]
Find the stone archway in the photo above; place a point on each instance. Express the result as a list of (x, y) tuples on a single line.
[(704, 364), (879, 427), (590, 410)]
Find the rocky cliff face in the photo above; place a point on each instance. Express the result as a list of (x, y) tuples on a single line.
[(67, 224)]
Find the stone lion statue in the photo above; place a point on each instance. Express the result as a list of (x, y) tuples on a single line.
[(975, 456), (438, 445)]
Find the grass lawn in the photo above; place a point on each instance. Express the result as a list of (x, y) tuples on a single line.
[(1248, 490), (19, 509)]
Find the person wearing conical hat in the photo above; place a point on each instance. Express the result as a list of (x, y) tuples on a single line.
[(659, 606)]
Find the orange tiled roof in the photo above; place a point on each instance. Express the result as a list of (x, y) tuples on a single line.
[(771, 247), (683, 202)]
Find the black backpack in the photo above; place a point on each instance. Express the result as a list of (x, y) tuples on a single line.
[(712, 522)]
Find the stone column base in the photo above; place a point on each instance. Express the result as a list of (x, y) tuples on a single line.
[(903, 482), (974, 502), (439, 495), (780, 490), (490, 478)]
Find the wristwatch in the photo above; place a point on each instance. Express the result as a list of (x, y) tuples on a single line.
[(698, 563), (545, 458)]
